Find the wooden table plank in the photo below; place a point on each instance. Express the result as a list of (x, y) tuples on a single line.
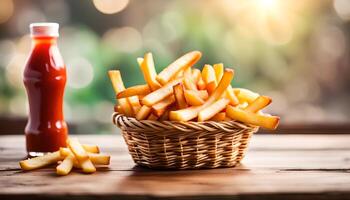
[(276, 166)]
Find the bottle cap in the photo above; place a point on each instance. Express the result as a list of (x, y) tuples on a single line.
[(44, 29)]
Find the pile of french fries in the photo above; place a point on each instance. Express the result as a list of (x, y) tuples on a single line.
[(81, 156), (183, 93)]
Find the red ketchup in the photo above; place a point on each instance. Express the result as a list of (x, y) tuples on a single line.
[(44, 80)]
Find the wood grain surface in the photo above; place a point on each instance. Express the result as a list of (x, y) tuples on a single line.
[(276, 167)]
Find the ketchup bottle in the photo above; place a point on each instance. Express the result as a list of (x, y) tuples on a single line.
[(45, 80)]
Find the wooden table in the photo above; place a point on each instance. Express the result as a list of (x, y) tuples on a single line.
[(276, 167)]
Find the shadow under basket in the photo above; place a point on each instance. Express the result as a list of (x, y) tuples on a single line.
[(185, 145)]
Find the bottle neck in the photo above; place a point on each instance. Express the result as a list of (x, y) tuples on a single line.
[(44, 40)]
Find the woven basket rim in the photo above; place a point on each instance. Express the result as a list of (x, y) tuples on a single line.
[(132, 123), (179, 122)]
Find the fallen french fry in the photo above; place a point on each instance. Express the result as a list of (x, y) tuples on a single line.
[(91, 148), (143, 112), (163, 92), (66, 165), (118, 86), (212, 109), (265, 121), (258, 104), (77, 149), (134, 91), (41, 161), (181, 63), (96, 158), (160, 107), (99, 159), (81, 155), (192, 112), (87, 166), (218, 117), (178, 91), (149, 71)]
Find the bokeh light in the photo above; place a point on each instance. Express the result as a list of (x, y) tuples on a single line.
[(110, 6), (7, 51), (342, 7), (80, 73), (6, 10), (124, 39), (14, 70)]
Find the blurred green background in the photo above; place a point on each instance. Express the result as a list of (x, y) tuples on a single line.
[(297, 52)]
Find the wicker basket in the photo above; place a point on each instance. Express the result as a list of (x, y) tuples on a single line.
[(184, 145)]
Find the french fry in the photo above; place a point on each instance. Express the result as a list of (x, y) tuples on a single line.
[(160, 107), (152, 117), (81, 155), (134, 91), (210, 87), (196, 74), (242, 105), (218, 117), (118, 109), (231, 96), (182, 93), (178, 91), (212, 109), (91, 148), (192, 98), (163, 92), (118, 86), (219, 71), (66, 165), (149, 71), (77, 149), (245, 95), (201, 84), (258, 104), (143, 112), (188, 80), (99, 159), (208, 74), (135, 103), (192, 112), (41, 161), (269, 122), (87, 166), (203, 94), (165, 115), (181, 63), (96, 158)]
